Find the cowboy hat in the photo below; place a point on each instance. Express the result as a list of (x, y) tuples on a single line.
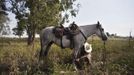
[(87, 47)]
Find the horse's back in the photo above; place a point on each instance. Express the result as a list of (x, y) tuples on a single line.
[(47, 29), (46, 32)]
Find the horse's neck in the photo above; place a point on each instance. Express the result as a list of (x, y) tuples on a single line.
[(88, 30)]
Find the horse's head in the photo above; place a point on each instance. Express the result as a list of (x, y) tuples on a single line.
[(100, 32)]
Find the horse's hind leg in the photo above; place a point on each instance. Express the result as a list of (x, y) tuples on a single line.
[(45, 48)]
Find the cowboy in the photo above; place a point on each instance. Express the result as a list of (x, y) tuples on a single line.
[(86, 51)]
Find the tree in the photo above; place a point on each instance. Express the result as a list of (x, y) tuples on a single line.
[(19, 31), (4, 28), (3, 7), (108, 34), (37, 14)]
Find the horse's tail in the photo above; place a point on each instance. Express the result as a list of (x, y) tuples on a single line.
[(41, 44)]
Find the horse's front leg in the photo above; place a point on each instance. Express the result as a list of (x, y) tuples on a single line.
[(75, 57), (78, 43)]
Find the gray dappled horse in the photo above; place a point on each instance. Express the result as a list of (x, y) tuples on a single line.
[(47, 38)]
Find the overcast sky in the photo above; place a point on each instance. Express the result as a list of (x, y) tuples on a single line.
[(116, 16)]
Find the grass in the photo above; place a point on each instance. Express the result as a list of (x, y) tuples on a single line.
[(16, 58)]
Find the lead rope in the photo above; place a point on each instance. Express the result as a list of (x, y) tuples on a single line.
[(104, 59)]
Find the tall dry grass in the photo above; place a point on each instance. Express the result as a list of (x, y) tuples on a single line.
[(16, 58)]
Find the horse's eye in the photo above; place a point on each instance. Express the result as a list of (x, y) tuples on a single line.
[(102, 29)]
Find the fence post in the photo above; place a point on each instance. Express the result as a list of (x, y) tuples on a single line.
[(129, 40)]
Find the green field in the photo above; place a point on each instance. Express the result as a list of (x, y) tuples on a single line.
[(16, 58)]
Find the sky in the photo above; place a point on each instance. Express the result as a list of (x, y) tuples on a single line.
[(116, 16)]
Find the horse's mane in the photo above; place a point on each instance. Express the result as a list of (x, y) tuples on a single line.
[(87, 25)]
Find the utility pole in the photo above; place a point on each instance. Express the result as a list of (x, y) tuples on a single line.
[(130, 37)]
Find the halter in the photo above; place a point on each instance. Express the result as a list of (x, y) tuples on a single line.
[(101, 32)]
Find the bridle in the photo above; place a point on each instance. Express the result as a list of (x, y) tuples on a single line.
[(104, 54), (101, 32)]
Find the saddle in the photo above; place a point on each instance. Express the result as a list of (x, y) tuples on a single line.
[(58, 31), (72, 30)]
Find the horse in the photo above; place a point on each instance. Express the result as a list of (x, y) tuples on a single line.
[(47, 38)]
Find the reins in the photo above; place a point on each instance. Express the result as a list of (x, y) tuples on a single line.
[(104, 51), (104, 48), (104, 59), (83, 35)]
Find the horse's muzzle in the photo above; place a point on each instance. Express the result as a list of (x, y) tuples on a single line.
[(105, 38)]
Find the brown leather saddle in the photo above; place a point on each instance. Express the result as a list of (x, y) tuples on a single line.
[(58, 31), (72, 30)]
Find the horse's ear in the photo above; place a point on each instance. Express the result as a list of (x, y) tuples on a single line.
[(98, 23)]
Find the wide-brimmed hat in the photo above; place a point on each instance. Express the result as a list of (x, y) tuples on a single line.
[(88, 47)]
